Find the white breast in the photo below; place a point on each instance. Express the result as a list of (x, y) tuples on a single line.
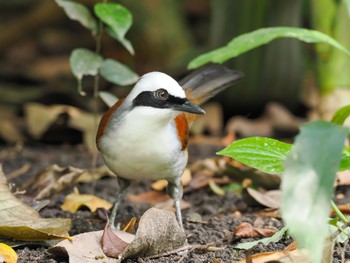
[(145, 146)]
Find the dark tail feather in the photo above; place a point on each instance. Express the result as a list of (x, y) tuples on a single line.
[(206, 82)]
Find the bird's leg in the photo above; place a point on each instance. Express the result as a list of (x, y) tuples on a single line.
[(123, 185), (175, 191)]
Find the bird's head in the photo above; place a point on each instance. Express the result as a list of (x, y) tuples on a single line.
[(158, 92)]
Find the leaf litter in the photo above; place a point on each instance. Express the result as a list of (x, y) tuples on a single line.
[(21, 222)]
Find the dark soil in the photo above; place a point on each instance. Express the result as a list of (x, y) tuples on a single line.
[(221, 213)]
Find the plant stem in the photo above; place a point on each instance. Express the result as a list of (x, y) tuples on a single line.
[(338, 212), (96, 88)]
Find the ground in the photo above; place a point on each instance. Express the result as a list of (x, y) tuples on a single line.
[(221, 213)]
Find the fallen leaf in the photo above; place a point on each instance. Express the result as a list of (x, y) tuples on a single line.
[(130, 226), (151, 197), (158, 233), (40, 118), (51, 180), (8, 254), (112, 245), (86, 247), (94, 174), (291, 254), (267, 240), (160, 185), (74, 201), (343, 178), (169, 205), (271, 199), (345, 209), (21, 222), (215, 188), (247, 230)]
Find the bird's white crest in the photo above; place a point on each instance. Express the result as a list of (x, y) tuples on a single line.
[(156, 80)]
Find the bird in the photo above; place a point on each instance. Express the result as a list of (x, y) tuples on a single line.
[(145, 135)]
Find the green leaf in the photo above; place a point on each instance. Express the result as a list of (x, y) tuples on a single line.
[(307, 184), (119, 20), (84, 62), (341, 115), (117, 73), (246, 42), (345, 159), (80, 13), (108, 98), (261, 153), (267, 240)]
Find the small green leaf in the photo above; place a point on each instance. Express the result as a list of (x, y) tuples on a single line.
[(108, 98), (126, 43), (345, 159), (267, 240), (261, 153), (307, 184), (117, 73), (246, 42), (84, 62), (341, 115), (119, 20), (80, 13)]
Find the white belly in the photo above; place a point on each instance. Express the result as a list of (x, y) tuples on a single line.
[(141, 149)]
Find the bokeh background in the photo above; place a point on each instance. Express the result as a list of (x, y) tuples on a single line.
[(37, 38)]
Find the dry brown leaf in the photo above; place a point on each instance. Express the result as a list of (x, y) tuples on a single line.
[(271, 199), (51, 180), (7, 253), (40, 117), (343, 178), (151, 197), (247, 230), (160, 185), (95, 174), (21, 222), (74, 201), (112, 245), (345, 209), (169, 205), (86, 247), (158, 233), (291, 254), (130, 226)]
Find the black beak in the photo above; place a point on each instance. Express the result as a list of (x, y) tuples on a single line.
[(188, 106)]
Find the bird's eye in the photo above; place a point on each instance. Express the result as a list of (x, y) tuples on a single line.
[(162, 94)]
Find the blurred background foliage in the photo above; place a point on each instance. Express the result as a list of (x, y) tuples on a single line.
[(37, 38)]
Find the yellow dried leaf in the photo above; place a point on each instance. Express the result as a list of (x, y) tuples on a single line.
[(159, 185), (74, 201), (8, 254), (130, 226)]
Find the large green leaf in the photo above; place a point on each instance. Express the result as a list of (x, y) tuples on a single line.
[(117, 73), (80, 13), (251, 40), (307, 184), (84, 62), (119, 20), (264, 154)]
